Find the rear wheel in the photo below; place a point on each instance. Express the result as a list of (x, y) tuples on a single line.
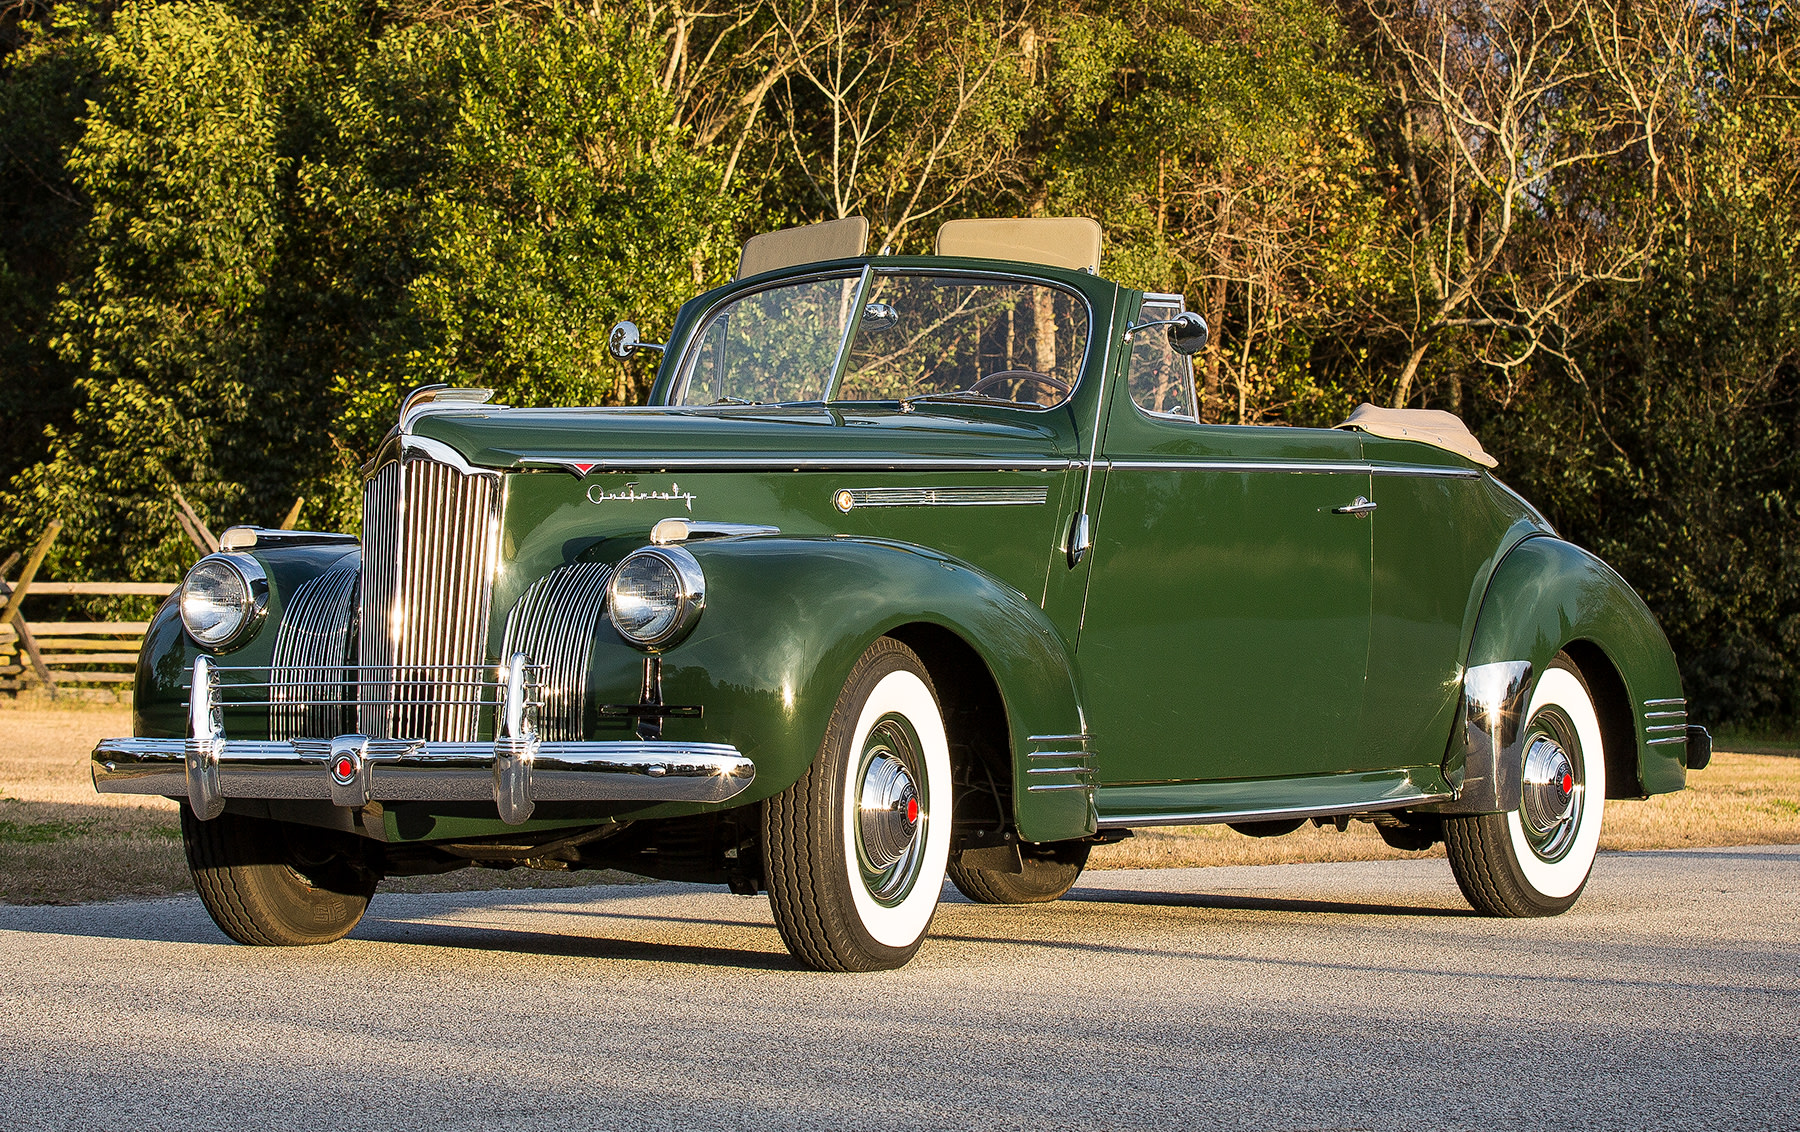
[(1535, 860), (1048, 872), (274, 884), (855, 851)]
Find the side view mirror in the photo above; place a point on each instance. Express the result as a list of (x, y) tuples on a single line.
[(625, 341), (1188, 334)]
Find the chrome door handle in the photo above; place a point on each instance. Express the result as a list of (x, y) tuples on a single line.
[(1360, 507)]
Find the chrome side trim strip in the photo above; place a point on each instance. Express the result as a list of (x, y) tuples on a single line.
[(1666, 739), (1056, 739), (1665, 703), (1372, 806), (847, 499), (1321, 467), (1681, 727), (1665, 715)]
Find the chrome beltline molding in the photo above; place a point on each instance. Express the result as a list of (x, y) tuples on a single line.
[(1323, 467), (1387, 802), (582, 466)]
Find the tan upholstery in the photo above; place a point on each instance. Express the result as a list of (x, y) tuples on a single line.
[(1060, 241), (812, 243), (1427, 426)]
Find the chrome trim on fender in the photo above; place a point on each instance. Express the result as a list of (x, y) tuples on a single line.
[(1494, 702), (668, 531), (1682, 738), (1666, 702)]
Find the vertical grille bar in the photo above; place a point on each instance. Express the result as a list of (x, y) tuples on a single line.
[(425, 616)]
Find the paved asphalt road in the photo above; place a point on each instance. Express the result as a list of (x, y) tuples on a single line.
[(1328, 996)]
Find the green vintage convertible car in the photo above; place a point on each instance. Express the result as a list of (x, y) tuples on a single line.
[(912, 567)]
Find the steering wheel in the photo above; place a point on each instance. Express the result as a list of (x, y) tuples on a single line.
[(1056, 385)]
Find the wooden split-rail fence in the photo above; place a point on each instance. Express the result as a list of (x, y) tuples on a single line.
[(56, 656)]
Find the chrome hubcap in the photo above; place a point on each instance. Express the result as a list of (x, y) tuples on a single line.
[(1552, 797), (890, 813)]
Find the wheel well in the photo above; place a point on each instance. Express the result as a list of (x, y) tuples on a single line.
[(975, 718), (1618, 726)]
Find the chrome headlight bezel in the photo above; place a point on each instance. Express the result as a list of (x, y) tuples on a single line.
[(247, 575), (690, 596)]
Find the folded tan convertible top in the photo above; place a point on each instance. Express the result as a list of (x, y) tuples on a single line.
[(1427, 426)]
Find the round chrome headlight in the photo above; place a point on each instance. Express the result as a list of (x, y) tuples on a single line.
[(655, 596), (223, 599)]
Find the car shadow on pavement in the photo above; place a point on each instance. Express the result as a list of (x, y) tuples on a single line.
[(490, 938), (1086, 895)]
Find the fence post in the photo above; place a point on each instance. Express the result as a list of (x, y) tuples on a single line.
[(28, 644)]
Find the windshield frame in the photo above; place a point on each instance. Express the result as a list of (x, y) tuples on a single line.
[(865, 274)]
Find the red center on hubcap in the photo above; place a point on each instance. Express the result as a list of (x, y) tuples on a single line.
[(345, 768), (1568, 783), (912, 809)]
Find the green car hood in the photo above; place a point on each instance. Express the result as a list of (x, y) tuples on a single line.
[(627, 437)]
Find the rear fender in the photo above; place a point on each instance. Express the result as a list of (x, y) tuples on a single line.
[(1549, 596)]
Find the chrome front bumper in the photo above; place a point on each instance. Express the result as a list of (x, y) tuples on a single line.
[(207, 772), (517, 770)]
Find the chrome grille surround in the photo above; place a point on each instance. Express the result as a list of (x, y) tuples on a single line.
[(431, 543), (312, 649), (554, 623)]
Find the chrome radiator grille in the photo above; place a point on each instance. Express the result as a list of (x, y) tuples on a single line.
[(312, 651), (431, 537), (554, 624)]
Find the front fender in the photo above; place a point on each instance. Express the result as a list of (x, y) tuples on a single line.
[(160, 690), (787, 618), (1549, 596)]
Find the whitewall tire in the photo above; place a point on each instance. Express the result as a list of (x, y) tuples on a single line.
[(855, 852), (1536, 859)]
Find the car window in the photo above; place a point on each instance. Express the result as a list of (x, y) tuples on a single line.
[(770, 346), (922, 334), (1162, 381)]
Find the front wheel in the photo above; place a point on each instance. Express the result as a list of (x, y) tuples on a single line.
[(1535, 860), (855, 851), (274, 884)]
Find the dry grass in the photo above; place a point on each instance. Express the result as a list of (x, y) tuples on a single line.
[(60, 842)]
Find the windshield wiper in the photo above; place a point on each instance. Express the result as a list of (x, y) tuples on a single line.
[(955, 395)]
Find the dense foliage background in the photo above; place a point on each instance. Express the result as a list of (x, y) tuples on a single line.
[(234, 232)]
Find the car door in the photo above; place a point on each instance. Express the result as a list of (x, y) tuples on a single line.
[(1226, 628)]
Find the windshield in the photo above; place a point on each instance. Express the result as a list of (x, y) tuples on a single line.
[(909, 336)]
